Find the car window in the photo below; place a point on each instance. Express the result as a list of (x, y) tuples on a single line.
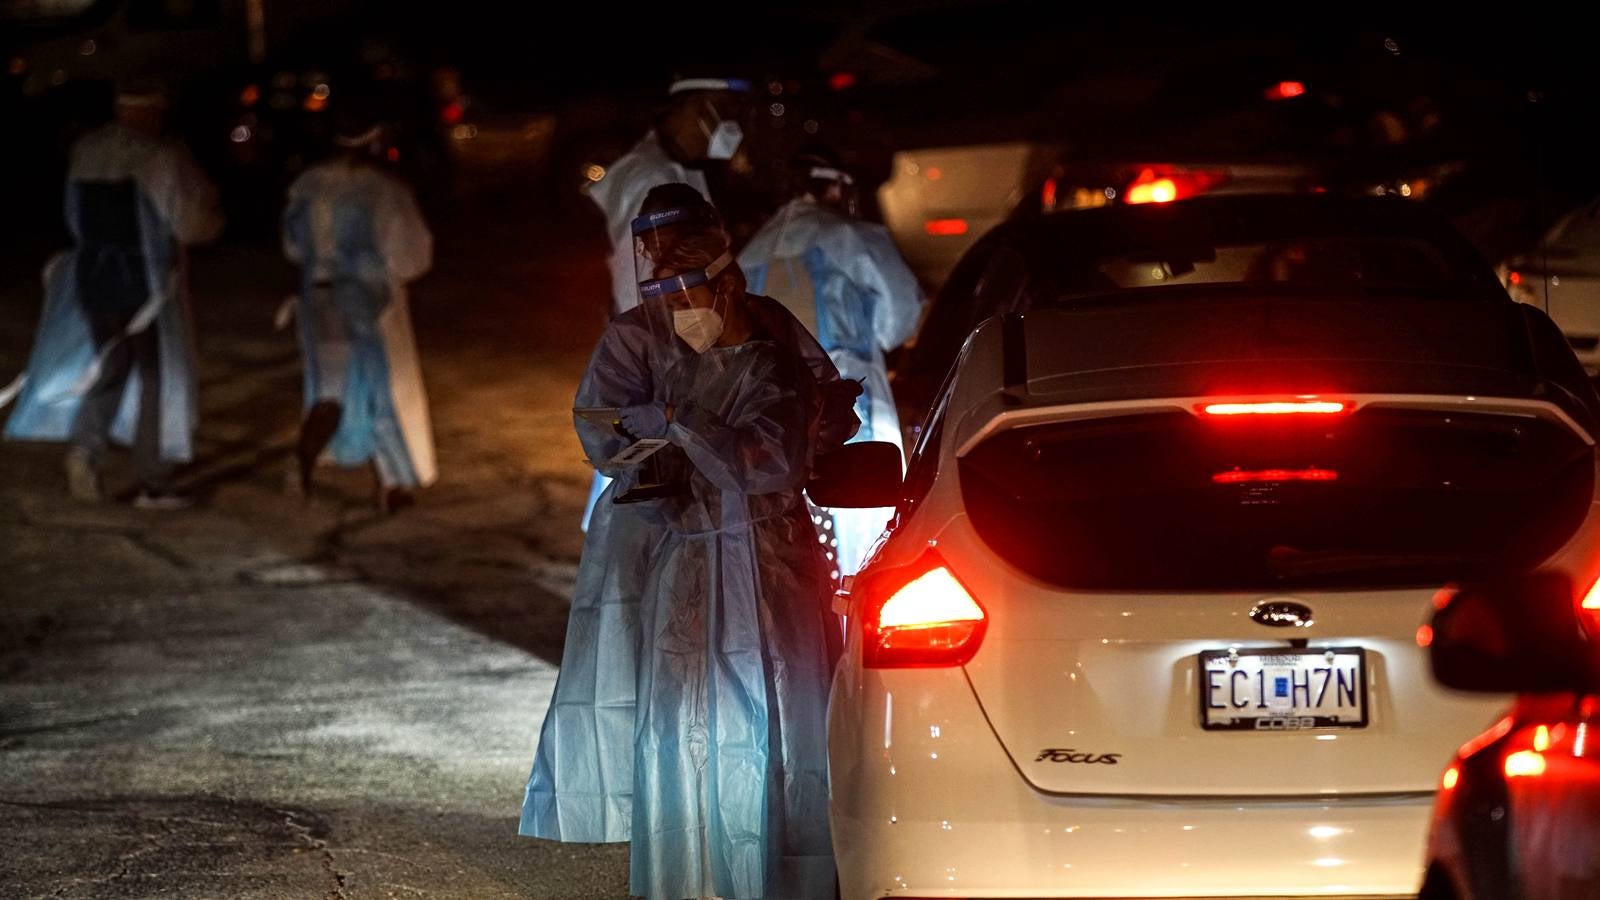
[(923, 467), (1174, 501), (1321, 262)]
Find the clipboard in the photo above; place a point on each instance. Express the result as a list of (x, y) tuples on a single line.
[(604, 416)]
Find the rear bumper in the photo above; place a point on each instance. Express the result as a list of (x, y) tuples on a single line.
[(926, 803)]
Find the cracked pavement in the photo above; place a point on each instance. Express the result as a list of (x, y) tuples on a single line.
[(271, 696)]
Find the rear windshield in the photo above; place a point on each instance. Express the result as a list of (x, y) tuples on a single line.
[(1177, 502), (1400, 264)]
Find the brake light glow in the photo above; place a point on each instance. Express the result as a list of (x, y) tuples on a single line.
[(1524, 764), (930, 620), (1591, 600), (945, 227), (1425, 636), (1240, 476), (1286, 90), (1515, 278), (1276, 408), (842, 81), (1153, 186), (1452, 777), (1160, 190)]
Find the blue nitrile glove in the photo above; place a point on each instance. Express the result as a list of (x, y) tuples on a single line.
[(647, 420)]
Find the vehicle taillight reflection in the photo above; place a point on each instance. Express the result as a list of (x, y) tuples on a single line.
[(929, 621), (1524, 764), (1276, 408), (945, 227)]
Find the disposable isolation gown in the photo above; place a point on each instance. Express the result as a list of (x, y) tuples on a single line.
[(845, 280), (581, 787), (730, 765), (176, 206), (359, 238)]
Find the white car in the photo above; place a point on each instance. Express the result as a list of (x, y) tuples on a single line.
[(1562, 277), (1144, 622)]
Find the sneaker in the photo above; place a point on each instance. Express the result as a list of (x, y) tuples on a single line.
[(163, 500), (83, 482)]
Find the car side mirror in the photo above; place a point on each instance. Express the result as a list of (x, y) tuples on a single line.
[(857, 476), (1515, 635)]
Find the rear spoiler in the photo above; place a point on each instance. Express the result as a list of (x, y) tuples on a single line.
[(1353, 404)]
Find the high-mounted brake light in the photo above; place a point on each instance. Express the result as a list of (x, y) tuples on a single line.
[(945, 227), (1276, 408), (930, 620), (1257, 476)]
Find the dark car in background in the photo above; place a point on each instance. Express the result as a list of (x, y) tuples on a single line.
[(1518, 810)]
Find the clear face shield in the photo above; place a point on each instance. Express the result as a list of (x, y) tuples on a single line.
[(680, 304), (724, 109), (835, 188)]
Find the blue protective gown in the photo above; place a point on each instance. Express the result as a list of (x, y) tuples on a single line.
[(177, 206), (358, 237), (582, 784), (845, 281)]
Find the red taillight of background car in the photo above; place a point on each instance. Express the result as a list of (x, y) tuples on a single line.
[(1156, 186), (919, 616), (945, 227)]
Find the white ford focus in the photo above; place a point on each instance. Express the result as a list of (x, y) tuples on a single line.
[(1145, 622)]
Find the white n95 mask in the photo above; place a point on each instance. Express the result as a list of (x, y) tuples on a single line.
[(698, 327)]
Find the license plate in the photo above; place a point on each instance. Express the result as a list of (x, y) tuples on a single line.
[(1283, 689)]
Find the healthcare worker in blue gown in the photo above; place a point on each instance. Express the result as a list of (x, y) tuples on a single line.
[(700, 124), (604, 770), (358, 237), (845, 280), (114, 354)]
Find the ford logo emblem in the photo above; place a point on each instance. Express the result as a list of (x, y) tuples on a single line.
[(1282, 614)]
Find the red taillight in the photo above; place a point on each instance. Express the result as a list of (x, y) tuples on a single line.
[(842, 81), (929, 620), (1164, 187), (451, 113), (1591, 600), (945, 227), (1047, 196), (1452, 777), (1515, 278), (1276, 408), (1286, 90), (1256, 476), (1524, 764), (1425, 636)]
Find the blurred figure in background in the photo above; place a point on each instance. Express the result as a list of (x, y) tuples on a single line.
[(114, 356), (701, 122), (844, 279), (358, 237)]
